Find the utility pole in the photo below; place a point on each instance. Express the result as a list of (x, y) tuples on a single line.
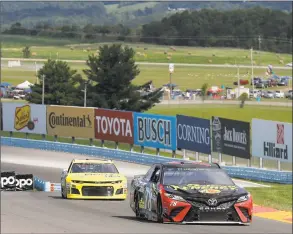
[(43, 90), (85, 89), (259, 42), (238, 76), (252, 71)]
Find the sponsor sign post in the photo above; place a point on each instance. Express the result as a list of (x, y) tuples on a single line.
[(11, 181), (111, 125), (272, 140), (231, 137), (70, 121), (8, 180), (26, 118), (193, 134), (24, 182), (156, 131)]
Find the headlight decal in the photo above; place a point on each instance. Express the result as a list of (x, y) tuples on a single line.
[(243, 198), (174, 197)]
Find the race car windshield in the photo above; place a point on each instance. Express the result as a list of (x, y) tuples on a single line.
[(202, 176), (93, 168)]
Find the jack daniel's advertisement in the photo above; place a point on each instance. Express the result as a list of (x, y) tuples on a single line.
[(231, 137)]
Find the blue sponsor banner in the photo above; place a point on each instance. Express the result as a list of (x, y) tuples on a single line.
[(193, 134), (156, 131)]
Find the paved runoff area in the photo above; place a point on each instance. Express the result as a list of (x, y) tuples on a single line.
[(47, 212)]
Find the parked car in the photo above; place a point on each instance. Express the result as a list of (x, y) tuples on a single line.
[(256, 80), (279, 94), (269, 94), (263, 84), (273, 82), (283, 82), (288, 94), (254, 93), (242, 82), (289, 65)]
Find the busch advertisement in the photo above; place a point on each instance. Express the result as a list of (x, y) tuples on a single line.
[(156, 131), (193, 134), (231, 137)]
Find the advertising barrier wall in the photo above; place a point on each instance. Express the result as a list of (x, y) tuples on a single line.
[(272, 140), (26, 118), (231, 137), (193, 134), (70, 121), (156, 131), (114, 126)]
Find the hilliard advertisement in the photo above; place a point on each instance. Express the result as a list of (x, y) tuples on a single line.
[(272, 140), (231, 137)]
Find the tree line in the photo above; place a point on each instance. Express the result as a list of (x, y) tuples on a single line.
[(270, 30), (108, 81), (260, 28)]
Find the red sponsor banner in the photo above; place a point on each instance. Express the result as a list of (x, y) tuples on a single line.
[(111, 125), (280, 134)]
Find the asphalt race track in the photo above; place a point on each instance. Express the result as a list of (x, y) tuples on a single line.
[(47, 212)]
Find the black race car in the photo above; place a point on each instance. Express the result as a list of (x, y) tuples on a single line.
[(189, 192)]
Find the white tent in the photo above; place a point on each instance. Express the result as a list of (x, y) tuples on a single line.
[(24, 85)]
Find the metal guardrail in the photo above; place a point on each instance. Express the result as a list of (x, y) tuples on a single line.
[(247, 173)]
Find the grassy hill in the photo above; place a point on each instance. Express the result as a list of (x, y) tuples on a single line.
[(129, 13)]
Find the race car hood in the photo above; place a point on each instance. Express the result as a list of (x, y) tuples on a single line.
[(204, 190), (96, 177)]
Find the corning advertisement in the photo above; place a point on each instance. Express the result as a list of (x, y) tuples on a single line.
[(70, 121), (112, 125), (156, 131), (193, 134), (272, 140), (231, 137), (27, 118)]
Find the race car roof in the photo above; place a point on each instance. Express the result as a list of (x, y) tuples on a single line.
[(98, 161), (191, 164)]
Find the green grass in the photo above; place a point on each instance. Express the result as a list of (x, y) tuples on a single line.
[(15, 42), (283, 114), (114, 9), (47, 48), (184, 77), (277, 196)]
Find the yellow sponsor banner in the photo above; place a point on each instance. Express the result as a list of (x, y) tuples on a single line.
[(70, 121)]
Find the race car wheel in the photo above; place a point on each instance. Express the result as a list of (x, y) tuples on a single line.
[(159, 211), (136, 202), (62, 193)]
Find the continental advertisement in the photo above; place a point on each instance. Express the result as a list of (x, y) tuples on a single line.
[(69, 121)]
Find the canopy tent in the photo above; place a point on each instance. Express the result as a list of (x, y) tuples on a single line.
[(215, 89), (24, 85), (5, 84)]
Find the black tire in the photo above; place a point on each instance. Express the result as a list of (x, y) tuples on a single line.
[(62, 194), (160, 211), (136, 202)]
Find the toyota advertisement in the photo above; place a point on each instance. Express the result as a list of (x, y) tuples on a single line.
[(111, 125), (272, 140)]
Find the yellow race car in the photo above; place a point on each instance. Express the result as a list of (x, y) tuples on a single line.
[(93, 179)]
